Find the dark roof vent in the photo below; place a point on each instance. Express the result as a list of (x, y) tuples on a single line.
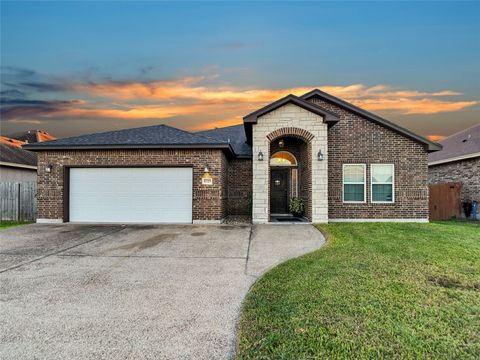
[(468, 138)]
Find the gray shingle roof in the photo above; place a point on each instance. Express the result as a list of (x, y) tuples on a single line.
[(463, 143), (157, 135), (16, 155), (235, 135)]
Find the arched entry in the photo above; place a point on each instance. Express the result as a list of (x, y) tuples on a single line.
[(290, 151), (283, 181), (305, 135)]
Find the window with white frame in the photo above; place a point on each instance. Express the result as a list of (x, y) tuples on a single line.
[(382, 183), (354, 183)]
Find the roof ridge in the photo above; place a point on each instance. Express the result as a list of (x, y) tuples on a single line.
[(460, 131), (108, 132), (209, 138), (219, 128), (195, 134)]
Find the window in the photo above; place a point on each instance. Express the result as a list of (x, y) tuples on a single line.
[(294, 182), (354, 183), (382, 183), (283, 158)]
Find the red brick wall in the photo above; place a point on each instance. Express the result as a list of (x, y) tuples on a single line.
[(357, 140), (209, 202), (239, 187)]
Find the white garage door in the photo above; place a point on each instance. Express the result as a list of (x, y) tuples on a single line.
[(157, 195)]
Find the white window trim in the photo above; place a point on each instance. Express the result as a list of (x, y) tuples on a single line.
[(382, 183), (355, 183)]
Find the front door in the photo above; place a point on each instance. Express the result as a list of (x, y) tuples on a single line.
[(279, 191)]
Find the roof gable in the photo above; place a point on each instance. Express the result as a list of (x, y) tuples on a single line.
[(291, 99), (431, 146)]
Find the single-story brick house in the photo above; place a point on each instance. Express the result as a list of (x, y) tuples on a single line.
[(347, 164), (458, 162)]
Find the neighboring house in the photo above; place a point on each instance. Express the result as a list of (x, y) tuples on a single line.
[(16, 164), (33, 136), (346, 163), (458, 161)]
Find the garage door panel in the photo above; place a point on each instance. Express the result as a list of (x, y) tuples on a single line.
[(131, 195)]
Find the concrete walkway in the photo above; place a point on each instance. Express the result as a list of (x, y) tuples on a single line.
[(136, 291)]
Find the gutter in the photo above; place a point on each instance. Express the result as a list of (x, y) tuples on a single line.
[(33, 147), (453, 159), (16, 165)]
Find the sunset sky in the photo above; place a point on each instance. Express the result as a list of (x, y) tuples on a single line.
[(82, 67)]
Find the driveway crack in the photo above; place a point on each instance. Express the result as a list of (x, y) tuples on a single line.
[(250, 236)]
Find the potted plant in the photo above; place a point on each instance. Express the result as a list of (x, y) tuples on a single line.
[(297, 206)]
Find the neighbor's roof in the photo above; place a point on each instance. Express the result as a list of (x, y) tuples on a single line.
[(431, 146), (235, 135), (462, 145), (157, 136), (12, 154), (33, 136)]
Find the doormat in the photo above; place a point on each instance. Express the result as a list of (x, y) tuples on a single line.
[(289, 219)]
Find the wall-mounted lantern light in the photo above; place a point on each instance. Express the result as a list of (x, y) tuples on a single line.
[(206, 177), (260, 156), (281, 143), (49, 168), (320, 155)]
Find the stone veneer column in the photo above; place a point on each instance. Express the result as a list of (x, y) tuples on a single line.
[(290, 115)]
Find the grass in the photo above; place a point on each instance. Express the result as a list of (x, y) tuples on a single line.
[(8, 224), (378, 290)]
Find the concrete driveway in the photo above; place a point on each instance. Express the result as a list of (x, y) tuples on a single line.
[(136, 291)]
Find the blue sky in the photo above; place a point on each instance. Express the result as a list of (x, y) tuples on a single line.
[(63, 63)]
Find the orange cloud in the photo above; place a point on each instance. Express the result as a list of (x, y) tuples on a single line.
[(414, 106), (205, 106), (436, 137), (139, 112), (217, 123), (375, 98), (182, 89)]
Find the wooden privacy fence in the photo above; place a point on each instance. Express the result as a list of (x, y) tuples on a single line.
[(445, 201), (18, 201)]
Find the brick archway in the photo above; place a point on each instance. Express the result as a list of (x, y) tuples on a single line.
[(291, 131)]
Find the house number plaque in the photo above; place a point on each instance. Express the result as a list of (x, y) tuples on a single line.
[(207, 181)]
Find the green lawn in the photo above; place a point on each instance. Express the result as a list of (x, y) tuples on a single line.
[(375, 290), (8, 224)]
